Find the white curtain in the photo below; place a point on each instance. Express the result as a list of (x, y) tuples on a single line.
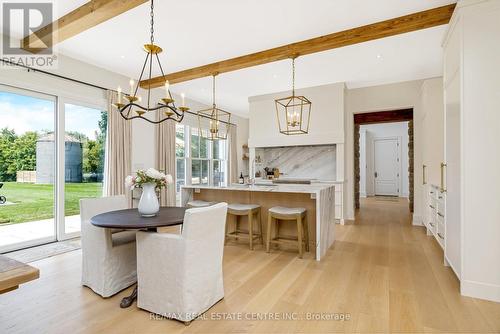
[(165, 159), (233, 155), (118, 151)]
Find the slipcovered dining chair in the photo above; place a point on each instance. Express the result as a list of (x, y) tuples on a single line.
[(108, 255), (180, 276)]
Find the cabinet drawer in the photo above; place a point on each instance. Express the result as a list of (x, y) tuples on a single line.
[(432, 225), (440, 214)]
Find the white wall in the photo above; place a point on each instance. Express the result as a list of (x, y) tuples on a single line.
[(369, 99), (366, 160), (326, 125)]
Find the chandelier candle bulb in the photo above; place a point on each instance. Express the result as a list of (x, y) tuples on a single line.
[(183, 97)]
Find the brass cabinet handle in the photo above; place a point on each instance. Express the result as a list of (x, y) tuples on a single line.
[(423, 174), (443, 189), (440, 235), (440, 214), (431, 207)]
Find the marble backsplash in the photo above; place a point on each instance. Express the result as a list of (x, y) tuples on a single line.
[(310, 162)]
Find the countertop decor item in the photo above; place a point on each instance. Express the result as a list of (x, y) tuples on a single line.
[(149, 180), (134, 109), (293, 112)]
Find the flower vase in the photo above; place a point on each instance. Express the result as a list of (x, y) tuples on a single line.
[(148, 204)]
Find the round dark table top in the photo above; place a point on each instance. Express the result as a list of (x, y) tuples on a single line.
[(131, 219)]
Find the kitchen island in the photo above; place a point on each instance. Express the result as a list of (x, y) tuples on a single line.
[(317, 198)]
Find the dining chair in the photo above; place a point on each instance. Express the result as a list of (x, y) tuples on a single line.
[(108, 255), (179, 276)]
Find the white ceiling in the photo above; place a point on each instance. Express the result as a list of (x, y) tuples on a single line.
[(198, 32)]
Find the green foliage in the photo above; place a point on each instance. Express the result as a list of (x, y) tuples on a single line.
[(16, 153), (7, 138), (25, 151), (93, 161)]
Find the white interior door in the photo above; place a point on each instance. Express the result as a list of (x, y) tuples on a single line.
[(387, 166)]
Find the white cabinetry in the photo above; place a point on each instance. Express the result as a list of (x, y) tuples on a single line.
[(472, 137), (434, 217)]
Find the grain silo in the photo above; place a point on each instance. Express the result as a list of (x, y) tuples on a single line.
[(45, 159)]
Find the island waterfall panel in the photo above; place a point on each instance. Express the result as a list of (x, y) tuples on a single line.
[(318, 200)]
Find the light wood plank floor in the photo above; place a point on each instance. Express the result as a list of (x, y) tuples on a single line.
[(385, 274)]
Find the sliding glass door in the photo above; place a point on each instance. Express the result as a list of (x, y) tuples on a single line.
[(28, 158), (84, 144), (51, 156)]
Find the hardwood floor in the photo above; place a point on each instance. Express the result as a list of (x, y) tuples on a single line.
[(386, 275)]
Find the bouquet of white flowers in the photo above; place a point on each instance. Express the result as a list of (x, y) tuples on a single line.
[(148, 176)]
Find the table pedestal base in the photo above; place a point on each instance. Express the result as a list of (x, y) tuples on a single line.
[(127, 301)]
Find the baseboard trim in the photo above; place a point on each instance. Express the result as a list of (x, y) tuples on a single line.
[(480, 290), (417, 220)]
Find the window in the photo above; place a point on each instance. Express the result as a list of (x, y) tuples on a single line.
[(219, 163), (85, 142), (43, 196), (199, 161), (199, 158)]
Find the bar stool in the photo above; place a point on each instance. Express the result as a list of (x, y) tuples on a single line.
[(199, 204), (278, 213), (252, 211)]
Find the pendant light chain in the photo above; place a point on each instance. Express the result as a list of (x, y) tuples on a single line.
[(213, 90), (152, 14), (293, 76)]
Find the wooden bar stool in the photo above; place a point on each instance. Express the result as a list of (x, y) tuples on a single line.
[(199, 204), (278, 213), (252, 211)]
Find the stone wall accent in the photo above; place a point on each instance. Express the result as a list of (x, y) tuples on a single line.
[(410, 164)]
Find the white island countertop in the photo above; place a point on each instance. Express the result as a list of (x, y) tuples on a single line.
[(312, 188)]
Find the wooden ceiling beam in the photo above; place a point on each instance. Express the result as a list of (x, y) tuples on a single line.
[(83, 18), (400, 25)]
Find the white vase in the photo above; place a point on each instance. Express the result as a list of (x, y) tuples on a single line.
[(148, 205)]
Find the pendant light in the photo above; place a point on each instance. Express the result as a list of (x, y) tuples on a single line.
[(134, 109), (293, 112), (213, 122)]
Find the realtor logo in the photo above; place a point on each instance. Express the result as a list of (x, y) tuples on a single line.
[(27, 29)]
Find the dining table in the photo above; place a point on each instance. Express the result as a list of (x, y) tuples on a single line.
[(130, 219)]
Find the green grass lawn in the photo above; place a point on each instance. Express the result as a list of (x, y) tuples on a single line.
[(36, 201)]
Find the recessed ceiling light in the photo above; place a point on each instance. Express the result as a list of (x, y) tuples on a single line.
[(122, 57), (275, 76), (379, 56)]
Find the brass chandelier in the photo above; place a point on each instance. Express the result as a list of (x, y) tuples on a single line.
[(166, 107), (214, 117), (293, 112)]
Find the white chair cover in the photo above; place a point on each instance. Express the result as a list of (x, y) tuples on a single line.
[(180, 276), (108, 256)]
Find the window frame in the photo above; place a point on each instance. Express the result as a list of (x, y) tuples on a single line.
[(188, 159)]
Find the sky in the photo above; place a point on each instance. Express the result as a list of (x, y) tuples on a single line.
[(25, 113)]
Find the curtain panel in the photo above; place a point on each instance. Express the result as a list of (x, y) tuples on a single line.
[(118, 160), (165, 158)]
